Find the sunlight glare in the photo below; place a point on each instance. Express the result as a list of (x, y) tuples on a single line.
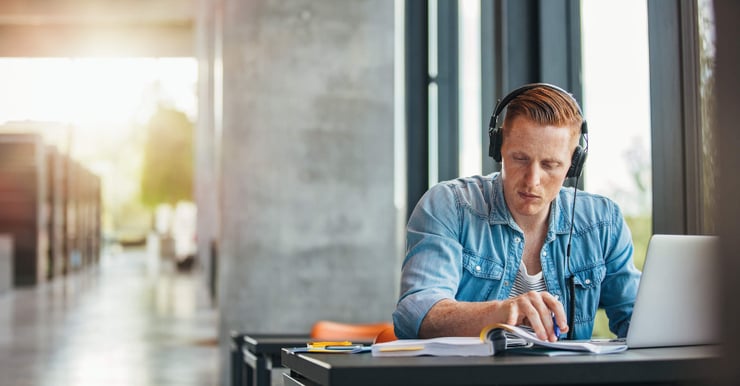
[(102, 92)]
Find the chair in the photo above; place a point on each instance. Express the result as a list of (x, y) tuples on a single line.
[(330, 330), (386, 335), (268, 351)]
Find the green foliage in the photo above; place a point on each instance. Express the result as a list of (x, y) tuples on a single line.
[(601, 326), (641, 228), (167, 170)]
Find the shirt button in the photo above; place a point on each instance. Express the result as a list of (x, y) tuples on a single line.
[(544, 253), (587, 281), (516, 239), (506, 283), (477, 268)]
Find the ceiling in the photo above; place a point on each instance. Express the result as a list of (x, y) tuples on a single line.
[(73, 28)]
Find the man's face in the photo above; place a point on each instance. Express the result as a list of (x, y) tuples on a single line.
[(535, 160)]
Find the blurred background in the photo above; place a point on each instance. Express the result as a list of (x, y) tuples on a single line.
[(262, 157), (128, 121)]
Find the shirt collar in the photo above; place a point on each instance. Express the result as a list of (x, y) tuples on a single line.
[(559, 220)]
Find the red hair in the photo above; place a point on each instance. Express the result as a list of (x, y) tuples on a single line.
[(545, 106)]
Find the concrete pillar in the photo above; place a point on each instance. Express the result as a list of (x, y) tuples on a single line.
[(206, 171), (309, 230), (23, 205)]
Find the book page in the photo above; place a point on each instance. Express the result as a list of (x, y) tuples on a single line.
[(529, 336)]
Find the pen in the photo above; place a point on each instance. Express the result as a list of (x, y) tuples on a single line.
[(330, 343), (555, 327)]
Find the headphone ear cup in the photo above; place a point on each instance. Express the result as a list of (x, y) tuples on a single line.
[(494, 147), (577, 162)]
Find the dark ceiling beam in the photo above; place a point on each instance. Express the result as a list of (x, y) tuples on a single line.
[(149, 40), (84, 28), (141, 10)]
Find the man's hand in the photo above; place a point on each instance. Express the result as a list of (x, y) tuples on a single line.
[(535, 309)]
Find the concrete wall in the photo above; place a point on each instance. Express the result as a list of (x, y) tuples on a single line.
[(305, 166)]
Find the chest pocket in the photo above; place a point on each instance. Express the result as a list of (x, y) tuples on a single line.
[(588, 292), (590, 278), (479, 277)]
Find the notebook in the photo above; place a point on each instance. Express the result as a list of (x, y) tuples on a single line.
[(676, 301)]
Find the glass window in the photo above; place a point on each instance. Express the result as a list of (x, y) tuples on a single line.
[(433, 97), (469, 77), (616, 103), (617, 107), (706, 89), (468, 87)]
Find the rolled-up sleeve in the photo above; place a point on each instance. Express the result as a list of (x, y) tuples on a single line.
[(433, 265)]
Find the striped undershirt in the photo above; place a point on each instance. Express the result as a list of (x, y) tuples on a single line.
[(525, 282)]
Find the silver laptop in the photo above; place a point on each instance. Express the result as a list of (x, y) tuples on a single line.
[(676, 301)]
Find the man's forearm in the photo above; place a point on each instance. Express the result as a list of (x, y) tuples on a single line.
[(452, 318)]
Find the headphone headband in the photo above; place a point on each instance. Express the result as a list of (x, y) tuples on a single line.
[(502, 103)]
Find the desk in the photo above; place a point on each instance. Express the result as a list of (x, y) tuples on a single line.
[(254, 355), (644, 366)]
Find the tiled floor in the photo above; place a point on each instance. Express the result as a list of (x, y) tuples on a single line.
[(128, 321)]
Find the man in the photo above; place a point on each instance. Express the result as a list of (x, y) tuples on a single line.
[(494, 248)]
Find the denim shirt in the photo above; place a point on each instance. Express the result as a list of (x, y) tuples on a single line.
[(463, 244)]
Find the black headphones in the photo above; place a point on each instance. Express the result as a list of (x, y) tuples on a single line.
[(496, 136)]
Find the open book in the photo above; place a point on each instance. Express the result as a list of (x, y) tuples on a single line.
[(493, 339)]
